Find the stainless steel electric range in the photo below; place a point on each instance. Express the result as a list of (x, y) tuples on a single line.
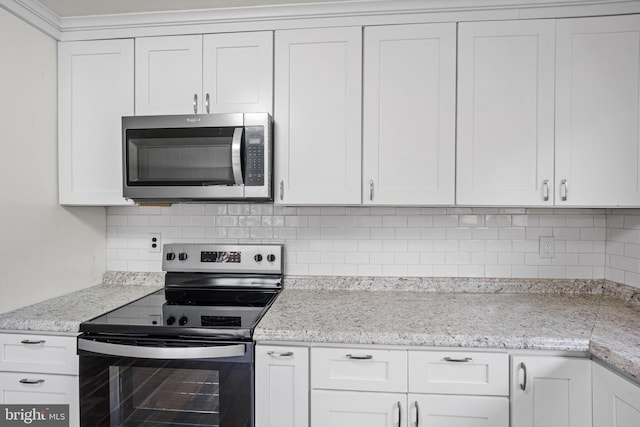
[(182, 355)]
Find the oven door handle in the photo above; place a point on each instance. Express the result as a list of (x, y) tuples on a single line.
[(236, 158), (143, 352)]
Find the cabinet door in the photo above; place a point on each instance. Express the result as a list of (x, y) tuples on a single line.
[(41, 389), (505, 113), (350, 408), (458, 411), (317, 116), (95, 89), (168, 75), (598, 111), (557, 392), (238, 72), (409, 114), (282, 386), (616, 401)]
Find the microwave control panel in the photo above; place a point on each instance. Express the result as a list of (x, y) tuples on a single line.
[(254, 156)]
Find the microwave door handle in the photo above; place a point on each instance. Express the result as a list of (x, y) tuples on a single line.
[(236, 160), (166, 353)]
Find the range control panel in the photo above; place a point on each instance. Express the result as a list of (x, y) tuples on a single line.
[(223, 258)]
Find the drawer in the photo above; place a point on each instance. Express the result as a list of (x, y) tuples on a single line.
[(27, 388), (38, 353), (359, 369), (454, 372)]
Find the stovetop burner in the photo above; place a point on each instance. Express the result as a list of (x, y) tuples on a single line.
[(216, 291)]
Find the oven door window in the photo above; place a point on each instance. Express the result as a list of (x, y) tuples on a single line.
[(183, 156), (131, 392)]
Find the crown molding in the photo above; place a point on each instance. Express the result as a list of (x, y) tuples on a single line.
[(36, 14), (291, 16)]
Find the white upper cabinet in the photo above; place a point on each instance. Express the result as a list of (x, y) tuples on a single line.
[(598, 111), (318, 116), (95, 89), (409, 114), (238, 72), (505, 113), (217, 73), (168, 75)]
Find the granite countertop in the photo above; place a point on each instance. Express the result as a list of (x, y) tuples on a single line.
[(64, 314), (572, 315), (596, 316)]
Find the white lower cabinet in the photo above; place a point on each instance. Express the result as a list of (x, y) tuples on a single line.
[(39, 369), (616, 400), (330, 408), (435, 410), (550, 391), (282, 386), (400, 388)]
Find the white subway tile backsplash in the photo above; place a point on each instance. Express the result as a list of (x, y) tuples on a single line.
[(395, 241)]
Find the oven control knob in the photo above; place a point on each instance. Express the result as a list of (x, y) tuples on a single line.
[(183, 321), (171, 320), (171, 256), (271, 257), (258, 257), (182, 256)]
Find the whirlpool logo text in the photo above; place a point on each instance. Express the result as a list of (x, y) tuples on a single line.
[(34, 415)]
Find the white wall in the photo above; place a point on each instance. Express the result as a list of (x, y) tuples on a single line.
[(45, 250), (432, 242), (623, 247)]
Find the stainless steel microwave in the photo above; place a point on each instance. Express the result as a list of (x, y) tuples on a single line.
[(198, 157)]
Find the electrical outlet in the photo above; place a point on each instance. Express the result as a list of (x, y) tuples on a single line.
[(155, 242), (547, 247)]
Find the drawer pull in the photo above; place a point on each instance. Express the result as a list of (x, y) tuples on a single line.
[(28, 381), (30, 342), (359, 356), (458, 360), (399, 405), (278, 354)]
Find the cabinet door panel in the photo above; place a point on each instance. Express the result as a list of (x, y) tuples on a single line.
[(409, 114), (349, 409), (317, 116), (168, 75), (458, 411), (282, 386), (598, 111), (95, 90), (557, 392), (505, 113), (616, 401), (238, 72)]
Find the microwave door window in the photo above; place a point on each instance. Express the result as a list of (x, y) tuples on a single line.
[(189, 160)]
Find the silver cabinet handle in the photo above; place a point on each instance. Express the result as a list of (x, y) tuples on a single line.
[(417, 414), (399, 405), (564, 190), (280, 354), (236, 160), (195, 103), (523, 384), (28, 381), (30, 342), (167, 353), (359, 356), (206, 103), (281, 189), (371, 189), (545, 190), (458, 360)]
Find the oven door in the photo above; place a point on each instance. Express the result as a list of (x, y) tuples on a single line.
[(164, 382)]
